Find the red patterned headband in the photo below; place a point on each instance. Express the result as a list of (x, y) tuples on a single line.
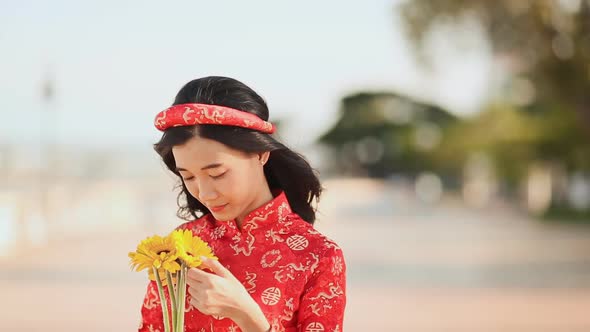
[(193, 114)]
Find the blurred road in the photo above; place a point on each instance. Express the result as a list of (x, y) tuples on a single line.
[(411, 267)]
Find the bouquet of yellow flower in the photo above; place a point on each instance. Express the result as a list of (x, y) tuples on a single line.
[(168, 260)]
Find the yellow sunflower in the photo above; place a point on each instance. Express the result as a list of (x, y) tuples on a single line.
[(156, 252), (189, 248)]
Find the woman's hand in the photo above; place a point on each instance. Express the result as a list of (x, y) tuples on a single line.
[(221, 294)]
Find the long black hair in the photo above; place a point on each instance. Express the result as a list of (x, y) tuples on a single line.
[(285, 169)]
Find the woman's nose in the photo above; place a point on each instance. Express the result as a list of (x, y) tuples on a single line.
[(207, 193)]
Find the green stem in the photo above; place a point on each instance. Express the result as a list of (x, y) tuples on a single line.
[(179, 305), (163, 301), (171, 292), (181, 297)]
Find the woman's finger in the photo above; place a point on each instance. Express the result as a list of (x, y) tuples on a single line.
[(216, 267), (194, 292), (195, 302), (198, 275)]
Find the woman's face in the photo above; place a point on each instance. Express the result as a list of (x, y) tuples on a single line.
[(228, 182)]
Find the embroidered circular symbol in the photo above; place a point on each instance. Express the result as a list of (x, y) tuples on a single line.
[(297, 242), (275, 256), (271, 296), (315, 327)]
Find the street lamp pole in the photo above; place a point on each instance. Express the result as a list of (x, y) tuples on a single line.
[(47, 146)]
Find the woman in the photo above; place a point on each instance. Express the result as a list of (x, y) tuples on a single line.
[(250, 197)]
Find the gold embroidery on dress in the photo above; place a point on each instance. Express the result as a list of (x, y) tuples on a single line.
[(322, 301), (313, 231), (287, 315), (330, 245), (277, 257), (252, 224), (337, 265), (315, 327), (218, 232), (315, 264), (152, 299), (250, 279), (152, 329), (284, 211), (198, 228), (271, 296), (288, 272), (315, 309), (247, 251), (272, 234), (276, 325), (297, 242), (335, 291)]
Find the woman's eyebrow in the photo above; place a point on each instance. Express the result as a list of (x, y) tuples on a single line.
[(204, 168), (211, 166)]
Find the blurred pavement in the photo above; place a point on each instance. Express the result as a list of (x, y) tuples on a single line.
[(411, 267)]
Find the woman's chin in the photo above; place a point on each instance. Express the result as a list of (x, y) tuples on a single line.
[(223, 215)]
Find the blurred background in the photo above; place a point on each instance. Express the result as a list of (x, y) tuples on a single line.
[(453, 139)]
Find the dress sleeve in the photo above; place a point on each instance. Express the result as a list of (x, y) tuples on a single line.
[(324, 297), (151, 310)]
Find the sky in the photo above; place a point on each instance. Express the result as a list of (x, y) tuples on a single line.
[(116, 64)]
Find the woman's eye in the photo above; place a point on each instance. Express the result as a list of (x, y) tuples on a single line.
[(217, 176), (188, 178)]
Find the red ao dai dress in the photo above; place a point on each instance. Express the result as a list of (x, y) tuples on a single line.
[(294, 273)]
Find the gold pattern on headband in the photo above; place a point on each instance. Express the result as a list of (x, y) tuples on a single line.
[(192, 114)]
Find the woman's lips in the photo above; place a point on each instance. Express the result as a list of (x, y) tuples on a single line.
[(218, 208)]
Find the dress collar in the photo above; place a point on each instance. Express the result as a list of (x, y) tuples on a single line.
[(271, 212)]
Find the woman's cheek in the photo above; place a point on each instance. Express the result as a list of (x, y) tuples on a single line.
[(223, 187), (192, 190), (241, 187)]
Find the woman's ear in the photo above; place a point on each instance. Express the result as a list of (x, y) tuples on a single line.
[(263, 157)]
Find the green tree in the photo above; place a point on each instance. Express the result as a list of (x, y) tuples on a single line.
[(547, 43), (544, 47), (384, 133), (549, 40)]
